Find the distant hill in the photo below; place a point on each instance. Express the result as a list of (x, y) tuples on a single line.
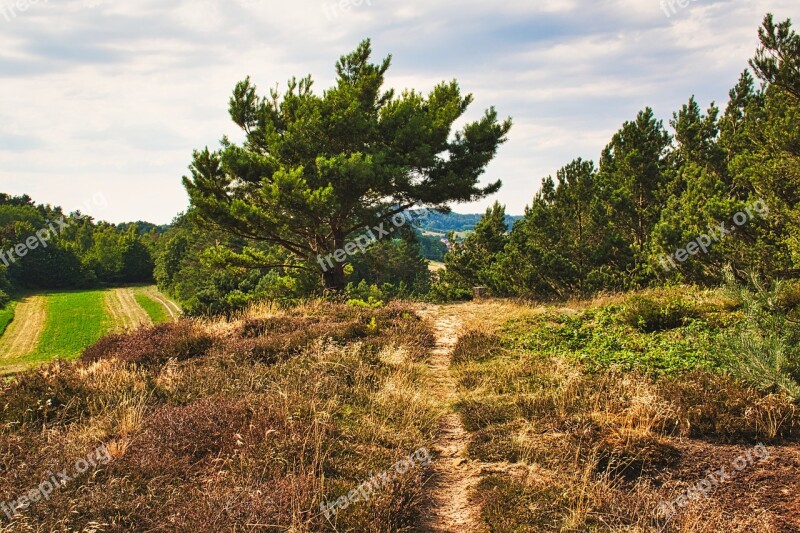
[(433, 229), (445, 222)]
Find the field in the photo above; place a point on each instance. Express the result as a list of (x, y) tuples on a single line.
[(608, 415), (63, 324), (6, 316)]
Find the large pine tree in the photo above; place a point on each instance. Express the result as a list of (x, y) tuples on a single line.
[(315, 170)]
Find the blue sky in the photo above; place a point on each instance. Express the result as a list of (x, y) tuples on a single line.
[(110, 97)]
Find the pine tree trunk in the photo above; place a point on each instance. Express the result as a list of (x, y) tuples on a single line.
[(333, 279)]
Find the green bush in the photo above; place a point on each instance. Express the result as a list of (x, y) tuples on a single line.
[(445, 289), (6, 316), (5, 299), (651, 314)]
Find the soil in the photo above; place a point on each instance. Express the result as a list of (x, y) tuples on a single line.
[(448, 508)]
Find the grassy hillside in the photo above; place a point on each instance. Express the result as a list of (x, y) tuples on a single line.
[(494, 416), (599, 417), (75, 320), (63, 324)]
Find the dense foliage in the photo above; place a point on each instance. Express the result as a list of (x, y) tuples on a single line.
[(651, 212), (316, 171), (204, 270), (44, 248)]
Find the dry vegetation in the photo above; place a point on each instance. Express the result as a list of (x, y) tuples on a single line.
[(583, 417), (572, 440), (226, 426)]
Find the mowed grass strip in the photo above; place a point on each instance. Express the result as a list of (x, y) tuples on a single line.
[(75, 320), (126, 313), (24, 331), (156, 308)]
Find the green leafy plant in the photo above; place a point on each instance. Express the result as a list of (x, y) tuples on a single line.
[(650, 314)]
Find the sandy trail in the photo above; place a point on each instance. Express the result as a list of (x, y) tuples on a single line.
[(125, 312), (454, 476), (24, 331)]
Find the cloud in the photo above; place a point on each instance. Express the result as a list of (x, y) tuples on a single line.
[(13, 143), (112, 96)]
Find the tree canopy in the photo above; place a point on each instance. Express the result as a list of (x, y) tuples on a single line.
[(315, 170), (656, 191)]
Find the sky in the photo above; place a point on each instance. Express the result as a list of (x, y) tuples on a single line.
[(103, 101)]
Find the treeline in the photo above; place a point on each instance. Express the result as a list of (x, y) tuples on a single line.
[(41, 247), (207, 271), (719, 187)]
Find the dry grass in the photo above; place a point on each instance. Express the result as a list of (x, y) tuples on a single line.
[(572, 450), (237, 425)]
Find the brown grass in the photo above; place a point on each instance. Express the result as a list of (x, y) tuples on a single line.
[(22, 335), (227, 426), (569, 450)]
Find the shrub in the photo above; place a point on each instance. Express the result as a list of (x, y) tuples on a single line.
[(4, 299), (46, 396), (649, 314), (273, 325), (152, 346), (789, 296), (714, 406), (6, 316), (764, 348), (184, 435)]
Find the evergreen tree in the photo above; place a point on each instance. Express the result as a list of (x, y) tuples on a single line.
[(315, 170)]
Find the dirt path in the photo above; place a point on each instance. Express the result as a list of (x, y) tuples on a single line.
[(125, 312), (24, 331), (454, 476)]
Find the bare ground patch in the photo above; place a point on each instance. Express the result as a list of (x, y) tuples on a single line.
[(448, 507)]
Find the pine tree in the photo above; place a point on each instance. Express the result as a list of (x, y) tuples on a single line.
[(315, 170)]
